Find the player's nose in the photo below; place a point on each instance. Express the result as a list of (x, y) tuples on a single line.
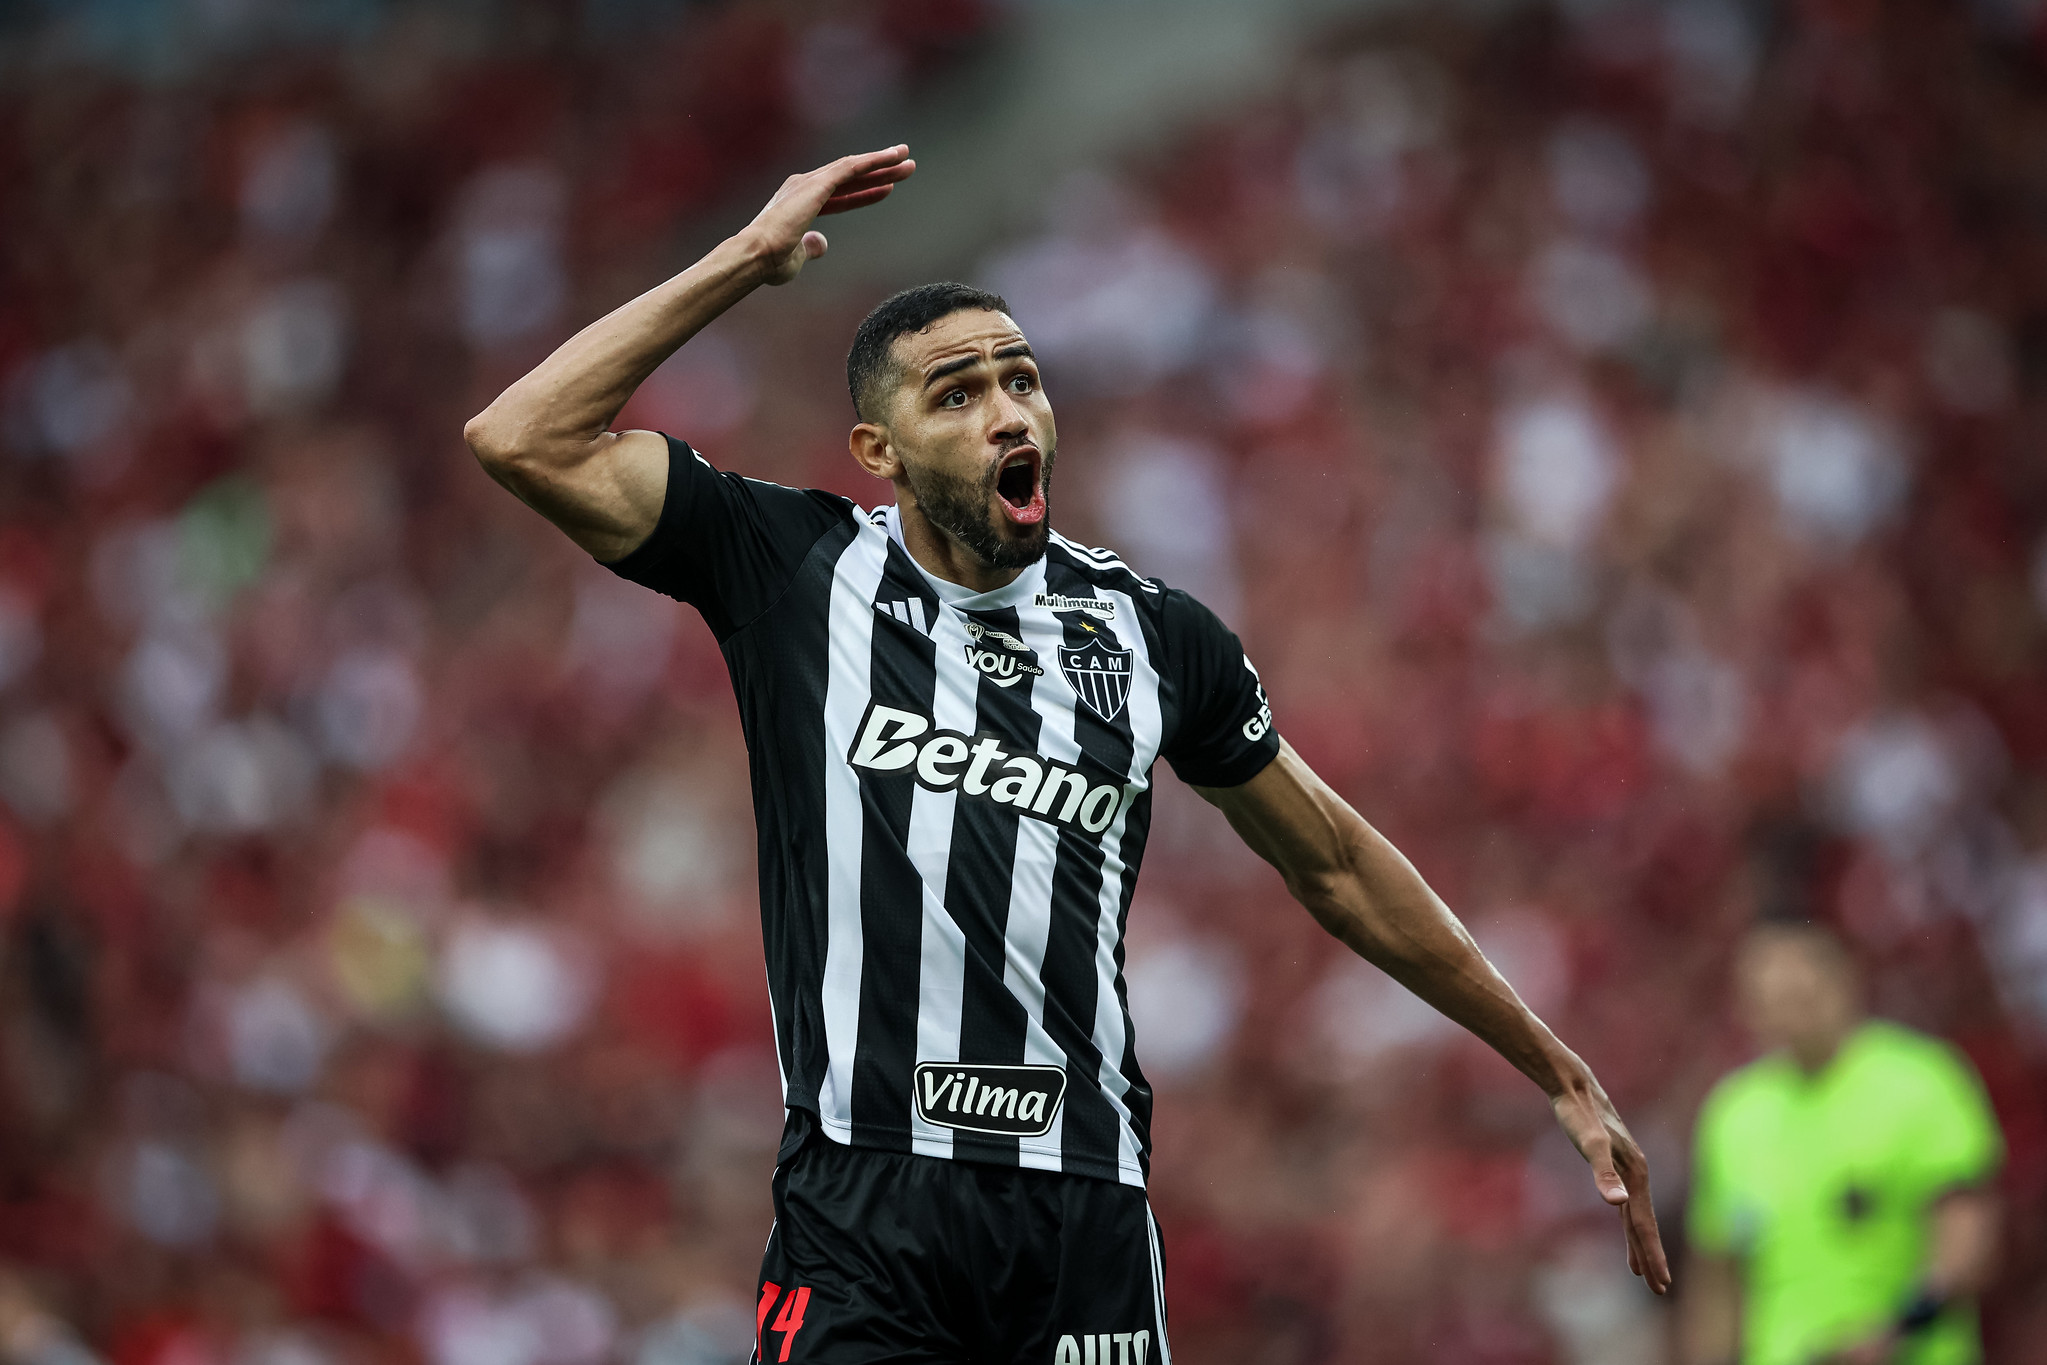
[(1007, 422)]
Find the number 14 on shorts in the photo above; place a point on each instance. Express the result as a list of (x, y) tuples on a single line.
[(788, 1322)]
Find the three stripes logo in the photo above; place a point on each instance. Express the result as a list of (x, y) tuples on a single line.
[(1099, 676), (910, 613)]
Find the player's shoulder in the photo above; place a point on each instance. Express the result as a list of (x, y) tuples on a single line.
[(1899, 1052), (1748, 1091), (1102, 568), (761, 489), (1173, 611)]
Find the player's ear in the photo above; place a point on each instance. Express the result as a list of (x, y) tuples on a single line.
[(872, 450)]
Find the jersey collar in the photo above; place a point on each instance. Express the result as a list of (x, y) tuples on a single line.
[(1015, 593)]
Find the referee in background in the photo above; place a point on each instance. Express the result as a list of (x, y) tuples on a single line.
[(1841, 1208)]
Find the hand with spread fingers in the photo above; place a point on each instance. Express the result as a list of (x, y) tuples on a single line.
[(1619, 1171), (548, 437), (782, 230)]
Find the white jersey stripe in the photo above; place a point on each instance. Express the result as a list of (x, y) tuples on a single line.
[(1158, 1283), (941, 986), (1029, 927), (849, 647)]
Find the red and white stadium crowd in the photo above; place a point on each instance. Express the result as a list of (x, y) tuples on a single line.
[(1615, 430)]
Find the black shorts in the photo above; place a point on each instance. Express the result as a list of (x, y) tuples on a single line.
[(880, 1256)]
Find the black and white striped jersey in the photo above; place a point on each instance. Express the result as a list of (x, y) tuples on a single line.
[(952, 792)]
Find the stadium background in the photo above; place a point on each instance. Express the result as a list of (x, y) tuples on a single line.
[(1616, 429)]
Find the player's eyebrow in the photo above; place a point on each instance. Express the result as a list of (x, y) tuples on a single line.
[(1013, 350)]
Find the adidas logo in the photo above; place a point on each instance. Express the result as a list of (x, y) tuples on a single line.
[(910, 613)]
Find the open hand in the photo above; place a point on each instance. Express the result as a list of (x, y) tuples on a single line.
[(1620, 1172), (781, 233)]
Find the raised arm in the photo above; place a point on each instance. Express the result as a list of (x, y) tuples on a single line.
[(1365, 893), (548, 437)]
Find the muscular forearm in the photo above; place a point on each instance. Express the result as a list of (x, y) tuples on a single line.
[(1364, 891), (555, 414), (1378, 904), (548, 438)]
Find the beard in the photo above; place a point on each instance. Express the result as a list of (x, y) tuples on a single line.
[(961, 508)]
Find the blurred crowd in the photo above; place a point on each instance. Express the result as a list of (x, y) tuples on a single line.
[(1615, 429)]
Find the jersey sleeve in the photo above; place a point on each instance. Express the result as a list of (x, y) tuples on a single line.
[(1225, 736), (726, 545), (1957, 1143)]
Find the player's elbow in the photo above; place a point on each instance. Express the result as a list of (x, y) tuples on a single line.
[(495, 441), (520, 448)]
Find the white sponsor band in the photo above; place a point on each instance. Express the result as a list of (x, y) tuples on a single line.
[(986, 767)]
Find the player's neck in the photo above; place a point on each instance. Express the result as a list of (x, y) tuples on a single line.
[(943, 556), (1815, 1054)]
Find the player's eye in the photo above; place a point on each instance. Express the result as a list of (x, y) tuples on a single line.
[(957, 398), (1021, 384)]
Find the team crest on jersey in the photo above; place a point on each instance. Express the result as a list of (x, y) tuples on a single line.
[(998, 656), (1099, 675)]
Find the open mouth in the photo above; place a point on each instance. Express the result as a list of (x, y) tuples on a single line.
[(1020, 486)]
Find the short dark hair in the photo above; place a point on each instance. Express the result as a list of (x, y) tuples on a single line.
[(912, 310)]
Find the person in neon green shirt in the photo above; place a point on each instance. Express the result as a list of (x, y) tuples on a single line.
[(1841, 1211)]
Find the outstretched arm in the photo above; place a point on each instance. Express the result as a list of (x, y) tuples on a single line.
[(1365, 893), (548, 438)]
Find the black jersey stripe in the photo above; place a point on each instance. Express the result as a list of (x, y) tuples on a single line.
[(1135, 834), (1146, 718), (893, 868), (795, 940), (1092, 1138), (1125, 740), (849, 662)]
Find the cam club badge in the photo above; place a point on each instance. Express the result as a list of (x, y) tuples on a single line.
[(1099, 676)]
